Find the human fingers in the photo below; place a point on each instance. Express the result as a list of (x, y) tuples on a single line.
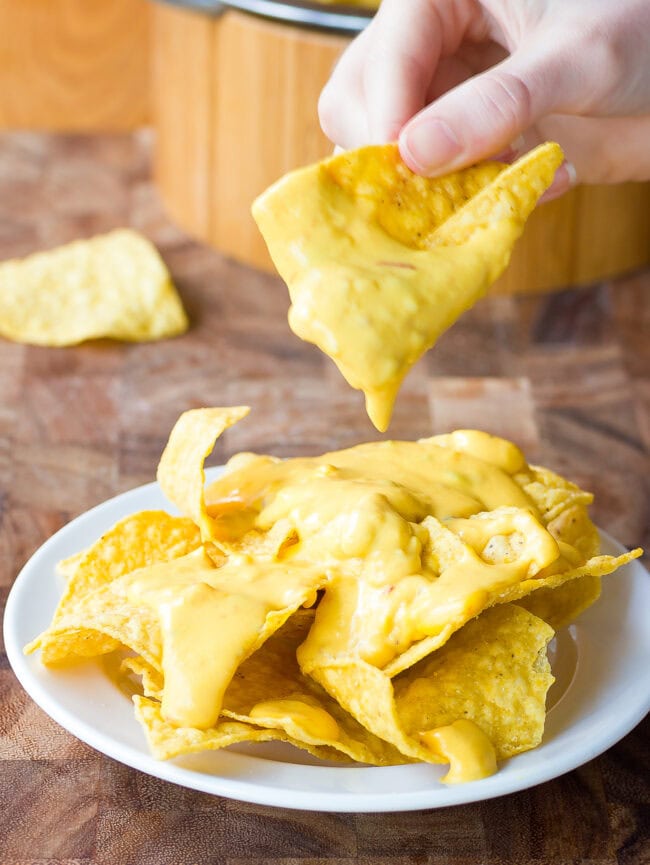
[(469, 60), (479, 117), (340, 106), (597, 149), (603, 149), (384, 76), (401, 57), (566, 175)]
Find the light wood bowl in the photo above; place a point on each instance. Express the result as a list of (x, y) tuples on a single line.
[(74, 65), (234, 106)]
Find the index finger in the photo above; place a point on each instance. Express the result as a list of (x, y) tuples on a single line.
[(402, 51)]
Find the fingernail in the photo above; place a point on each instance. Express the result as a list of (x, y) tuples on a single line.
[(431, 144), (511, 152), (571, 172), (565, 178)]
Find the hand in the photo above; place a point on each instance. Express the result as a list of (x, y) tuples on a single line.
[(456, 81)]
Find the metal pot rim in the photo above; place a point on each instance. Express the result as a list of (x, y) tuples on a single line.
[(337, 17)]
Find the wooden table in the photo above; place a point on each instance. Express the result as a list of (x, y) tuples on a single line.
[(566, 376)]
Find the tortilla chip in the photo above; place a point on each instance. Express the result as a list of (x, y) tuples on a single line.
[(579, 542), (417, 614), (115, 285), (416, 552), (551, 493), (272, 674), (573, 527), (379, 262), (597, 566), (141, 611), (142, 539), (67, 567), (166, 740), (562, 508), (151, 679), (493, 672), (562, 605), (450, 583), (99, 622), (180, 471)]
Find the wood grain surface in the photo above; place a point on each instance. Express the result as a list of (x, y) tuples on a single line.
[(255, 87), (74, 64), (567, 376)]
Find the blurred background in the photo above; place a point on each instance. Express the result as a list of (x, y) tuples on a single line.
[(230, 90)]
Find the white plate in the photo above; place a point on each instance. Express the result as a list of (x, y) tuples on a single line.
[(602, 665)]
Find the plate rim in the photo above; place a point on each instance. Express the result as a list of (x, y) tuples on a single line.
[(343, 801)]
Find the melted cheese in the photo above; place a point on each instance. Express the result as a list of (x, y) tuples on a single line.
[(466, 748), (410, 539), (377, 515), (210, 620), (314, 721), (379, 262)]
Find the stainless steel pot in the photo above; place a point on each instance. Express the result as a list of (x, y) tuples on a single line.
[(336, 17)]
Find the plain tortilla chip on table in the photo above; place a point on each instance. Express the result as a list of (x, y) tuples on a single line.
[(114, 285)]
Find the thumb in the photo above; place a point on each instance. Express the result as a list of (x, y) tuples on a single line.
[(477, 119)]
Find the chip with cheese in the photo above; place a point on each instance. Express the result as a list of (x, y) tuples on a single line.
[(493, 673), (187, 618), (423, 536), (268, 692), (379, 262), (145, 538), (491, 677)]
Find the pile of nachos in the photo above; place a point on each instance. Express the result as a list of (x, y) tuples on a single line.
[(384, 604)]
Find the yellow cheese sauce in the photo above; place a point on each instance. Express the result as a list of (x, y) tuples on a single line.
[(465, 747), (379, 262), (375, 516), (316, 722), (381, 308), (211, 619)]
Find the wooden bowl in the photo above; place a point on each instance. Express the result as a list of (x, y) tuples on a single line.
[(234, 107)]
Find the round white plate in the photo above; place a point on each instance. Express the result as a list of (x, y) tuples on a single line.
[(602, 666)]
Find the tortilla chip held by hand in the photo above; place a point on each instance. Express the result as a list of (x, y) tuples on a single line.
[(379, 261)]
